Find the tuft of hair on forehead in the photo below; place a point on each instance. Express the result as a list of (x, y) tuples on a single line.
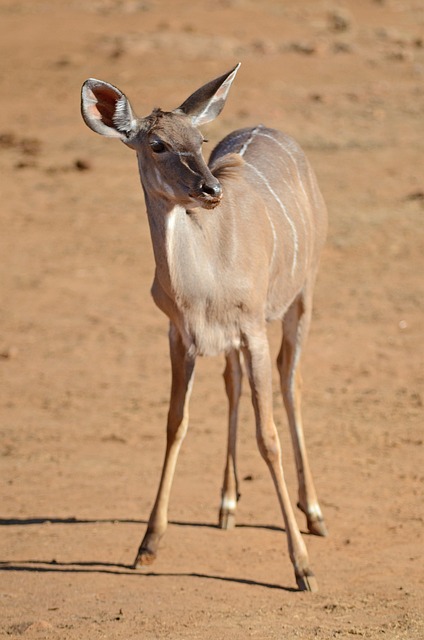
[(153, 119), (158, 113), (227, 166)]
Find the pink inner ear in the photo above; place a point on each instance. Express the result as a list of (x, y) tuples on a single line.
[(93, 111)]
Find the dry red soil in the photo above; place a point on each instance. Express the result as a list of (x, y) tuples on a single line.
[(83, 350)]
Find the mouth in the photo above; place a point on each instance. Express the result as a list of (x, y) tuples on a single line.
[(206, 201)]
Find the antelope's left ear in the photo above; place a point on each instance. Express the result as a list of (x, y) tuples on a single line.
[(107, 110), (206, 103)]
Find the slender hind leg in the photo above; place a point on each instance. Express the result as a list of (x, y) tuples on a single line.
[(230, 493), (182, 377), (259, 366), (295, 328)]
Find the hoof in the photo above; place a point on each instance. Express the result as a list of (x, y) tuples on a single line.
[(315, 523), (227, 520), (307, 582), (144, 558), (317, 528)]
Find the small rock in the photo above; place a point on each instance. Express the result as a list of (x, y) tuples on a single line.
[(25, 164), (400, 55), (30, 146), (8, 140), (415, 195), (39, 625), (342, 47), (82, 165), (339, 20), (9, 353), (307, 48)]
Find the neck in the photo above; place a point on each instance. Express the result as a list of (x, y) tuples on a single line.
[(189, 246)]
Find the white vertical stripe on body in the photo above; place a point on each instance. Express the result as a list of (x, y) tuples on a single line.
[(286, 149), (249, 140), (284, 210)]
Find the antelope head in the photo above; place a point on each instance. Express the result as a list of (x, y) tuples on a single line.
[(168, 143)]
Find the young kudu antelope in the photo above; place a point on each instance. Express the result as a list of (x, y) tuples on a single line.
[(236, 244)]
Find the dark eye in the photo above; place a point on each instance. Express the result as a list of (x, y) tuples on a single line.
[(157, 146)]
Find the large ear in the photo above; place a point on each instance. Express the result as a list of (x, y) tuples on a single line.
[(206, 103), (107, 110)]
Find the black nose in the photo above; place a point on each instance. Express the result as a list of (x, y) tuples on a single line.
[(213, 190)]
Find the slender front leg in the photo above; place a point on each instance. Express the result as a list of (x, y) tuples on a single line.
[(295, 329), (258, 363), (182, 378), (230, 493)]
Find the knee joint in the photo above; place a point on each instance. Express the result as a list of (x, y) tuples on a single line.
[(269, 447)]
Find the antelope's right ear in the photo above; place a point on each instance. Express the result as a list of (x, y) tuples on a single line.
[(107, 110)]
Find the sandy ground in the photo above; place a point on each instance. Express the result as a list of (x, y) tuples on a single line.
[(83, 350)]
